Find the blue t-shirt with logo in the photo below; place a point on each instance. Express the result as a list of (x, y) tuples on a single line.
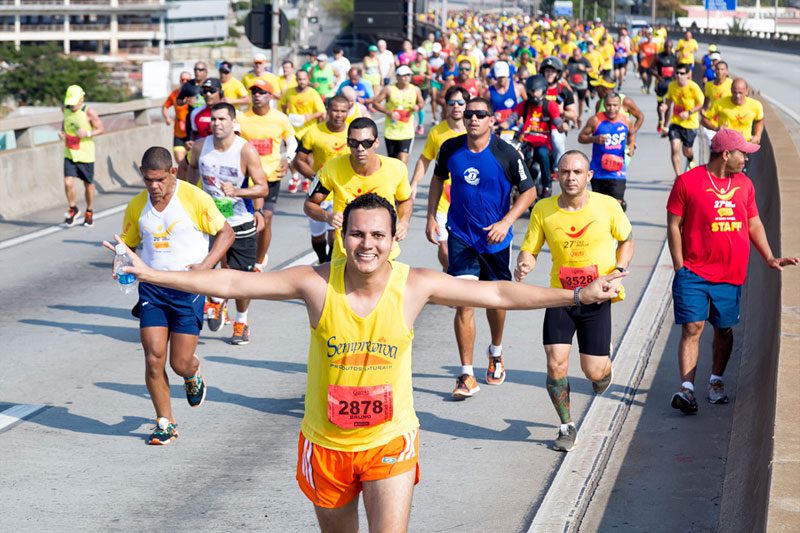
[(480, 194)]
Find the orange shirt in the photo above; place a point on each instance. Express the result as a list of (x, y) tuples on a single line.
[(181, 113), (649, 51)]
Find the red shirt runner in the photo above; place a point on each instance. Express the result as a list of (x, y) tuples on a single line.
[(716, 235)]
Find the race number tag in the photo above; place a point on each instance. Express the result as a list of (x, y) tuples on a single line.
[(73, 142), (262, 146), (667, 72), (404, 114), (577, 78), (417, 79), (225, 206), (611, 162), (359, 407), (572, 277)]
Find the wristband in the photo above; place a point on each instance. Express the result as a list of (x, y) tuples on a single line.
[(576, 296)]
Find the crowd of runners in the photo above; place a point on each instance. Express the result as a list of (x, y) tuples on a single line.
[(501, 94)]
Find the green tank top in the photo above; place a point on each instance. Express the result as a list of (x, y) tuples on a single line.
[(76, 149)]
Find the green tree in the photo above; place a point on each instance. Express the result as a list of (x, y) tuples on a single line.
[(39, 75), (340, 8)]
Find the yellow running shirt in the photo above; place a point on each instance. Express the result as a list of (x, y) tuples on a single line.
[(685, 51), (234, 89), (402, 101), (77, 149), (715, 92), (436, 138), (265, 133), (324, 144), (390, 181), (307, 102), (359, 393), (737, 117), (250, 78), (684, 99), (583, 243)]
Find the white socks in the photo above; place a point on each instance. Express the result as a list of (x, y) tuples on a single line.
[(467, 369), (241, 317), (495, 351), (688, 385)]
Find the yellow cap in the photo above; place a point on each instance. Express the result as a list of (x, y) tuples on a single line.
[(74, 95)]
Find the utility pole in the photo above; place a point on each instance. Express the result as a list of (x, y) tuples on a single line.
[(613, 9), (410, 21), (653, 14), (276, 27), (301, 40)]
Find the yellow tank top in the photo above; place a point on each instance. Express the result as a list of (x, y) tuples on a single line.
[(359, 369), (79, 150), (403, 101)]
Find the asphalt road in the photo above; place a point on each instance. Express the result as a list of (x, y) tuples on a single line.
[(70, 344)]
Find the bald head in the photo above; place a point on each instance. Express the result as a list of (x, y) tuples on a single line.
[(739, 91)]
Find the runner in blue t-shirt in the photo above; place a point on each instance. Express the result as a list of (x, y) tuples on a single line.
[(483, 169)]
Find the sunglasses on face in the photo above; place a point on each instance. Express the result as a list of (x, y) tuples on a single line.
[(455, 102), (259, 92), (480, 113), (464, 68), (197, 69), (209, 90), (366, 144)]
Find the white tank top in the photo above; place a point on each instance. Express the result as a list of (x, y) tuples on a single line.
[(219, 167)]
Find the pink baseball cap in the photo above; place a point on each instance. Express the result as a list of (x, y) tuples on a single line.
[(727, 139)]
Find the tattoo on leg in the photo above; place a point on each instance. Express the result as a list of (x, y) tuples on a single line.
[(558, 389)]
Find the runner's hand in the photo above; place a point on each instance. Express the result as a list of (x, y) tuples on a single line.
[(432, 231), (334, 220), (601, 289), (168, 120), (228, 189), (413, 191), (524, 265), (778, 263), (402, 231), (497, 232), (260, 222), (283, 168), (139, 267)]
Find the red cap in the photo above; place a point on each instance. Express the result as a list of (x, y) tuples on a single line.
[(263, 85), (727, 139)]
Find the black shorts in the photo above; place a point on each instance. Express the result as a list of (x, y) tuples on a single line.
[(686, 135), (242, 253), (465, 261), (395, 148), (592, 322), (178, 142), (583, 94), (612, 188), (605, 73), (661, 89), (84, 171), (424, 94), (272, 196)]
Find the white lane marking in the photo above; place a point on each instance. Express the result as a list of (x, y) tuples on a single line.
[(781, 106), (565, 503), (14, 414), (8, 243)]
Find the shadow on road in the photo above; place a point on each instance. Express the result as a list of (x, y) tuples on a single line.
[(115, 312), (119, 333), (282, 367), (279, 406), (62, 418)]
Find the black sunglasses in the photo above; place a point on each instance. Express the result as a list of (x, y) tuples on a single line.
[(464, 68), (200, 69), (480, 113), (455, 102), (209, 90), (366, 144)]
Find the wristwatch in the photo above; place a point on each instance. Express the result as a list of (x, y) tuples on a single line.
[(576, 296), (621, 269)]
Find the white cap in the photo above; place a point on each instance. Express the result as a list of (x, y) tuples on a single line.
[(121, 249), (467, 46), (404, 70), (437, 47), (421, 50), (714, 55), (322, 57), (258, 58), (501, 69)]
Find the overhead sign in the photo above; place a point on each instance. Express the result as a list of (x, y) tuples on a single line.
[(719, 5), (562, 8)]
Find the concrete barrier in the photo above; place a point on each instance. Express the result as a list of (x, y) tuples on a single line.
[(31, 177)]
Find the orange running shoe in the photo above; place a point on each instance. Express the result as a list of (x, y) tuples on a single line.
[(466, 387), (496, 371)]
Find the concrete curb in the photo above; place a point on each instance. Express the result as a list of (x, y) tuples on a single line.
[(573, 486)]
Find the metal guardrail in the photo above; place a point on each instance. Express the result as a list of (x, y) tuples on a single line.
[(23, 126)]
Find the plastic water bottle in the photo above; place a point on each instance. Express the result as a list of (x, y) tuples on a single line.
[(126, 281)]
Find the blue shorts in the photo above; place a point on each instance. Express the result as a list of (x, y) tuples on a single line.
[(465, 261), (178, 311), (697, 300)]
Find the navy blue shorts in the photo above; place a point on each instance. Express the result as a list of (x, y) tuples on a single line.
[(697, 300), (465, 261), (178, 311)]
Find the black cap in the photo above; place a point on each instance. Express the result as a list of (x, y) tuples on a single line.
[(214, 83), (226, 67)]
